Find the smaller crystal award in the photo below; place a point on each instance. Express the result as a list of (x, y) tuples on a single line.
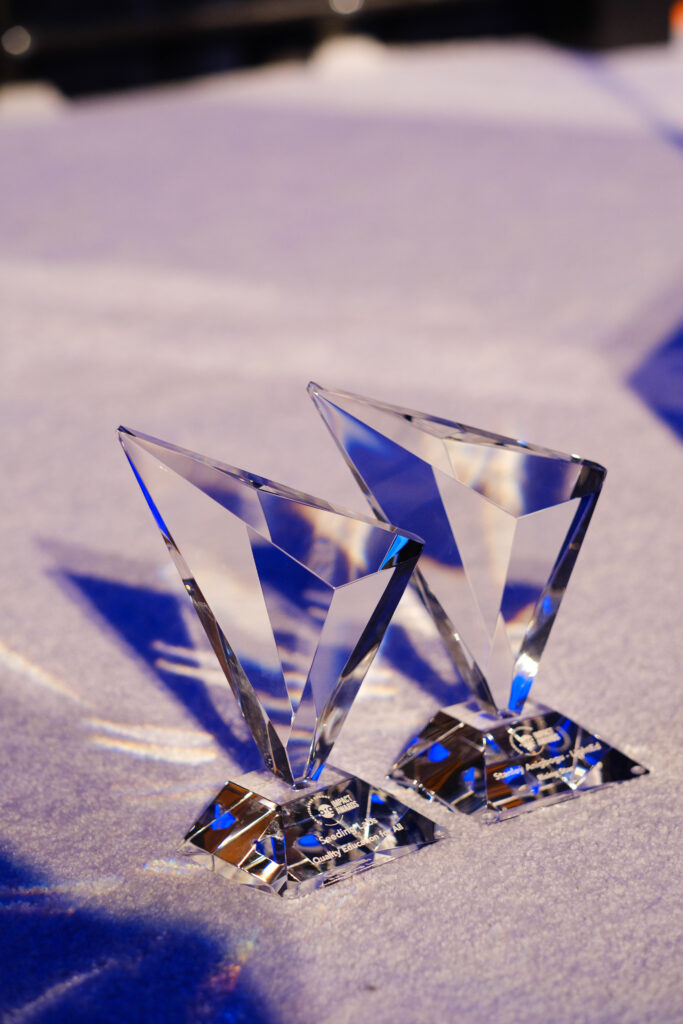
[(502, 522), (295, 597)]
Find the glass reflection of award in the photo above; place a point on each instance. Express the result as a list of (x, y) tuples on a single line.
[(502, 522), (295, 597)]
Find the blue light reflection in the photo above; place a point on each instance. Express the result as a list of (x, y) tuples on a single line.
[(308, 840), (223, 819), (399, 542), (437, 752)]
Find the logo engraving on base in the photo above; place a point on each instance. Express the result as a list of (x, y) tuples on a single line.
[(524, 739), (327, 809)]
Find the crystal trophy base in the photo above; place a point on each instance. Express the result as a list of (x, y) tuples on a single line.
[(495, 768), (291, 841)]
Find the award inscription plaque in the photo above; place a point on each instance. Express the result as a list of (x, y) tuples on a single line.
[(295, 596), (502, 522)]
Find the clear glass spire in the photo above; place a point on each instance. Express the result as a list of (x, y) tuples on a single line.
[(294, 594), (502, 520)]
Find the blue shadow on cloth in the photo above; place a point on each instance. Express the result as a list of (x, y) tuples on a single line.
[(400, 652), (658, 381), (143, 618), (149, 620), (63, 962), (604, 75)]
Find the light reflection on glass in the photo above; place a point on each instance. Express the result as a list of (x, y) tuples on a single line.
[(502, 521), (294, 594)]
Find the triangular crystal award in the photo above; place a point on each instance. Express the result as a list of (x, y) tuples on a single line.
[(503, 522), (295, 596)]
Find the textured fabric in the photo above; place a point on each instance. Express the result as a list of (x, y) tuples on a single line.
[(492, 233)]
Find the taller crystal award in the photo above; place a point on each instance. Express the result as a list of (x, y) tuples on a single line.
[(503, 522), (295, 597)]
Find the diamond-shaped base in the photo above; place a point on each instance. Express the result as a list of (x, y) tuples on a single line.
[(290, 842), (496, 767)]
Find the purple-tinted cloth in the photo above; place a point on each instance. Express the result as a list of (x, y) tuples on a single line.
[(492, 233)]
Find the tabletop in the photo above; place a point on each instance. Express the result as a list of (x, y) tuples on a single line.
[(491, 232)]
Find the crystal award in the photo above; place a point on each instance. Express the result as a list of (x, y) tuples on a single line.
[(295, 596), (502, 522)]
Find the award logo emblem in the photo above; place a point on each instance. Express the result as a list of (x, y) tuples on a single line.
[(502, 522), (295, 596)]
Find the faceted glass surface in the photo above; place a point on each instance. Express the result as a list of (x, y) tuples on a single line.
[(502, 522), (498, 769), (294, 595), (313, 838)]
